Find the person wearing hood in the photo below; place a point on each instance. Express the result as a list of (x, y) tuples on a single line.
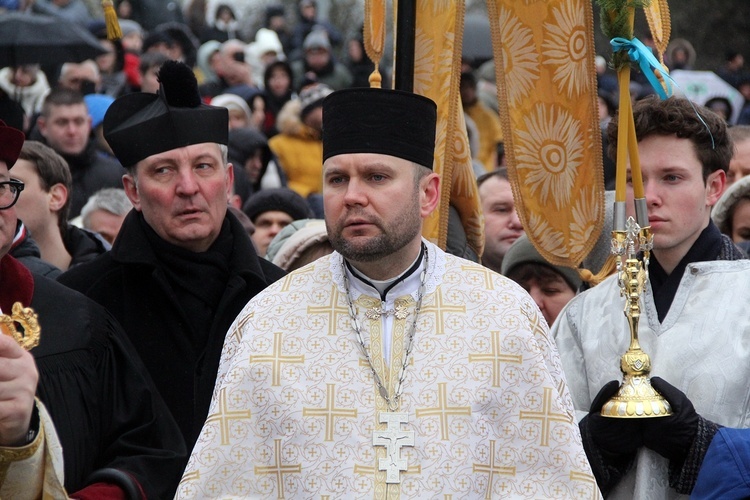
[(254, 165), (224, 26), (240, 115), (278, 90), (265, 49), (207, 61), (731, 214), (27, 85), (276, 21)]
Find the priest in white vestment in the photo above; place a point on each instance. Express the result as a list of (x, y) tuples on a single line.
[(388, 369)]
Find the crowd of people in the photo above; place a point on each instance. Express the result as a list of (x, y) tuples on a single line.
[(235, 298)]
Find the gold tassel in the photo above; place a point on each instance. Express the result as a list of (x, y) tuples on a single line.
[(374, 36), (110, 19), (610, 266), (375, 78)]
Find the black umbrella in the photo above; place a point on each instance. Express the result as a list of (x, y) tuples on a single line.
[(40, 39)]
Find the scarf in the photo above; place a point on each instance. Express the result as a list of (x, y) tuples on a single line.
[(197, 279)]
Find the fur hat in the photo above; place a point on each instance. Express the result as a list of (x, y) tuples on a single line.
[(139, 125)]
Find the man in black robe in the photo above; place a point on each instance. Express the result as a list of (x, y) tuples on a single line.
[(117, 436), (181, 267)]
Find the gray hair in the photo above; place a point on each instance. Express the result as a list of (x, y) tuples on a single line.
[(223, 150), (112, 200)]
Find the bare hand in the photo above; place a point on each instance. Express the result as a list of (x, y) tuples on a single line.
[(18, 380)]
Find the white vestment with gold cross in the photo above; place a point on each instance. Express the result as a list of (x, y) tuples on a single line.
[(295, 405)]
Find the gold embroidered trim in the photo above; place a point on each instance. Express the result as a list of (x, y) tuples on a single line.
[(8, 455)]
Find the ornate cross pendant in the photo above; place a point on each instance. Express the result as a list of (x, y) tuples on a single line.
[(393, 438)]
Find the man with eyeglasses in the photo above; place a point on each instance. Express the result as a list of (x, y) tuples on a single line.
[(82, 388)]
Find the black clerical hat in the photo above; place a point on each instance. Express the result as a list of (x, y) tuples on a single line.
[(139, 125), (370, 120)]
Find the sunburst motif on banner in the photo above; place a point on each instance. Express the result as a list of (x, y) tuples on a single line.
[(520, 57), (540, 228), (424, 66), (566, 49), (549, 153)]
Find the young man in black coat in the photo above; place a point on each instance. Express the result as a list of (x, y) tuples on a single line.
[(181, 268), (118, 438)]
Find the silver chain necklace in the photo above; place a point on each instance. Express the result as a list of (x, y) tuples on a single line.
[(392, 401)]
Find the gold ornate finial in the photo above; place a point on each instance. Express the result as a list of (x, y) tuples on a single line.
[(28, 337), (636, 397)]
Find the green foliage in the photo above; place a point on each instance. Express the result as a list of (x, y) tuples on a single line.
[(614, 15)]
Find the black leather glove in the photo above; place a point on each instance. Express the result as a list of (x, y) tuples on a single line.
[(672, 436), (614, 437)]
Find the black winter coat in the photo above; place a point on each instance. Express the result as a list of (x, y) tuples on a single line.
[(106, 410), (131, 284)]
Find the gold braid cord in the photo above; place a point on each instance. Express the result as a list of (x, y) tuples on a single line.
[(437, 71), (544, 53), (374, 36), (26, 318)]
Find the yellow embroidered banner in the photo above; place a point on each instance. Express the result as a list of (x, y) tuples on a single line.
[(544, 53), (437, 72)]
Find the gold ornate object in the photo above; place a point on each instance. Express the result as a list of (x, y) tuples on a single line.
[(26, 318), (636, 397), (660, 25)]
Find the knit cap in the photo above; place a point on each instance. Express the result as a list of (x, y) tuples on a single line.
[(522, 251), (312, 96), (278, 199)]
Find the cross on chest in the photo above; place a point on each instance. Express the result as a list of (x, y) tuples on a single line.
[(393, 438)]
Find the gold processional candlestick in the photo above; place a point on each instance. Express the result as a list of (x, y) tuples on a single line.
[(636, 397)]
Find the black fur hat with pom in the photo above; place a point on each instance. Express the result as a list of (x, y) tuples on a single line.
[(139, 125)]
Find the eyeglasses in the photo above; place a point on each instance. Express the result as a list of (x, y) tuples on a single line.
[(9, 191)]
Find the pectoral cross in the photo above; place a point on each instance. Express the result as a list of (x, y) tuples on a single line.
[(393, 438)]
